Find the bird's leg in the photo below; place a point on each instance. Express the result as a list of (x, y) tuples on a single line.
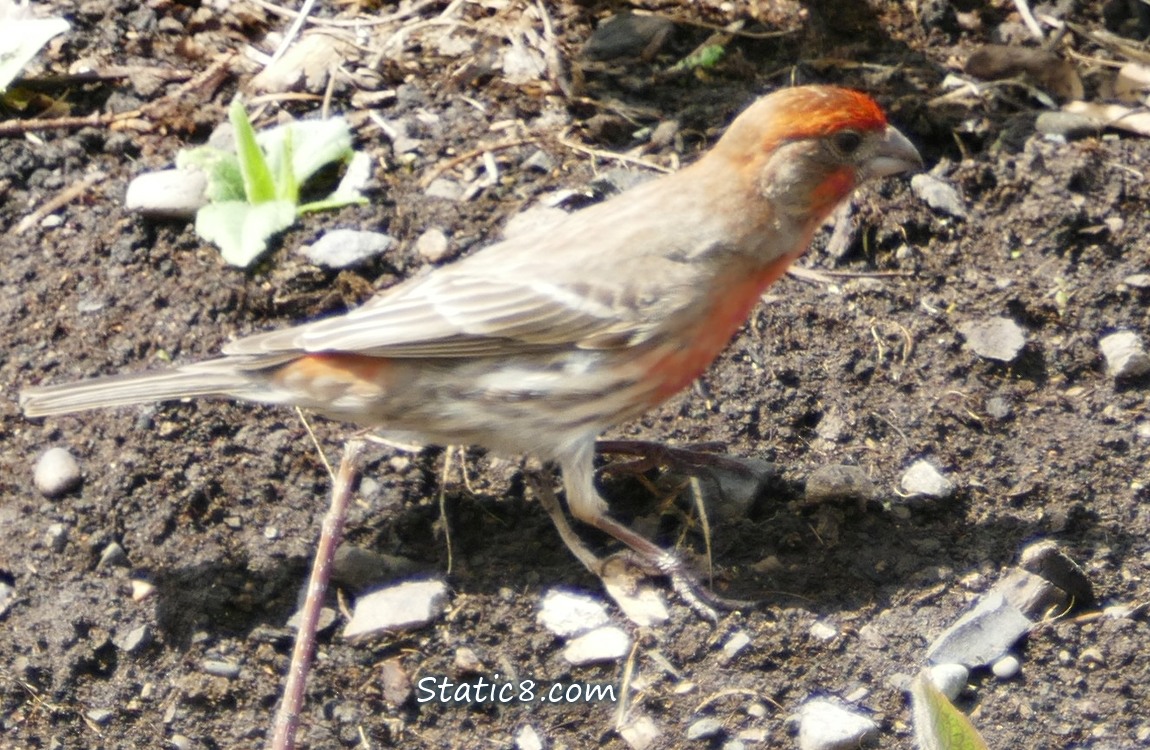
[(587, 506)]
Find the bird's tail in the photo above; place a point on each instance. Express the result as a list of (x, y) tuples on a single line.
[(220, 377)]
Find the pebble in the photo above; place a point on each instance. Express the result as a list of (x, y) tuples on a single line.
[(343, 248), (1138, 280), (950, 679), (734, 745), (837, 482), (1032, 595), (825, 725), (1071, 126), (734, 646), (99, 715), (601, 644), (566, 614), (405, 606), (7, 596), (142, 589), (168, 193), (640, 733), (113, 556), (999, 407), (528, 739), (939, 195), (704, 729), (630, 588), (221, 668), (1092, 657), (358, 567), (466, 660), (731, 487), (995, 338), (180, 742), (395, 682), (822, 631), (982, 635), (628, 35), (432, 244), (1006, 667), (134, 640), (56, 473), (539, 161), (1125, 355), (922, 479), (56, 537)]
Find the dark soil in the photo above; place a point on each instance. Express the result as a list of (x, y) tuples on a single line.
[(192, 491)]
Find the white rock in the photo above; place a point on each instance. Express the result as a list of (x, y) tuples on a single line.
[(950, 679), (432, 244), (734, 646), (939, 195), (923, 479), (528, 739), (403, 607), (1006, 667), (176, 193), (566, 614), (632, 591), (56, 473), (825, 725), (341, 248), (994, 338), (602, 644), (822, 631), (1125, 355), (640, 733)]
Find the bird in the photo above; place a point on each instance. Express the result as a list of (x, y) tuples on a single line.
[(540, 342)]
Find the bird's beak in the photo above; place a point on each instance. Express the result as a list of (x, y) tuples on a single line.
[(894, 155)]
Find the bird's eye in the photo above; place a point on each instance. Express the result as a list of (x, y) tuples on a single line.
[(847, 142)]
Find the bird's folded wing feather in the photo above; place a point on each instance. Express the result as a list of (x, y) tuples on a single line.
[(473, 312)]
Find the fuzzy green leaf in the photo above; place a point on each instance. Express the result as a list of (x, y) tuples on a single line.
[(242, 230), (938, 725), (259, 185)]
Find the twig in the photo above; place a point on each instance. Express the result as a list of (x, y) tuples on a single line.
[(563, 140), (287, 718), (1029, 19), (293, 32), (443, 166), (61, 199)]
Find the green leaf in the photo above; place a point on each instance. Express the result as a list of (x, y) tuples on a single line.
[(225, 183), (21, 39), (938, 725), (259, 186), (242, 230), (313, 145)]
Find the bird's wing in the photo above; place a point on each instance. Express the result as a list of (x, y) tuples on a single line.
[(487, 309)]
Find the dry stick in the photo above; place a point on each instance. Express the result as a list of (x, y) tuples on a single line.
[(287, 718), (63, 198)]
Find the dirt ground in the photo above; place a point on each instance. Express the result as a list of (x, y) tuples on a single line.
[(218, 504)]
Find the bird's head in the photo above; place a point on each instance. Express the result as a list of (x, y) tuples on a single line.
[(804, 149)]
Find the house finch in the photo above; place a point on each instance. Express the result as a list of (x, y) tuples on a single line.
[(540, 342)]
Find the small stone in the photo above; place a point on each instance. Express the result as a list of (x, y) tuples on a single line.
[(628, 35), (432, 244), (142, 589), (113, 556), (998, 407), (136, 639), (640, 732), (982, 635), (445, 189), (950, 679), (221, 668), (1125, 355), (1006, 667), (734, 646), (539, 161), (56, 537), (838, 482), (180, 742), (922, 479), (7, 596), (1138, 280), (342, 248), (1071, 126), (271, 533), (631, 589), (405, 606), (99, 715), (1033, 596), (56, 473), (704, 729), (939, 195), (358, 567), (528, 739), (395, 682), (731, 487), (466, 660), (734, 745), (825, 725), (822, 631), (608, 643), (566, 614), (169, 193), (1091, 657), (995, 338)]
